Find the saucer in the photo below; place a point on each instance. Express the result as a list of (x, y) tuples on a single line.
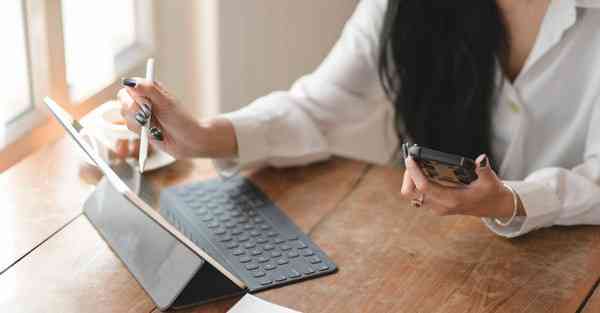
[(156, 160)]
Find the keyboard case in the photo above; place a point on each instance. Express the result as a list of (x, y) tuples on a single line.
[(228, 202), (172, 275)]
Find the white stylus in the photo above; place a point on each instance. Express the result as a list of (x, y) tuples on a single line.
[(146, 128)]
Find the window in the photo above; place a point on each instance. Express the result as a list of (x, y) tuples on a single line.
[(15, 92), (98, 36), (71, 50)]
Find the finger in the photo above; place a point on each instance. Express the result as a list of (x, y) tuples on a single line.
[(125, 100), (128, 110), (143, 88), (143, 105), (485, 173), (408, 190), (449, 197), (132, 124)]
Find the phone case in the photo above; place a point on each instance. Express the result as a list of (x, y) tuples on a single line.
[(440, 167)]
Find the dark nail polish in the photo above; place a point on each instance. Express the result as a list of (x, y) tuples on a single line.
[(139, 117), (484, 162), (156, 133), (146, 109), (144, 113), (129, 82)]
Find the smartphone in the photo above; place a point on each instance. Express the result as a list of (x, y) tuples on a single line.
[(440, 167)]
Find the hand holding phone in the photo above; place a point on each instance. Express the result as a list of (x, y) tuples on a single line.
[(440, 167)]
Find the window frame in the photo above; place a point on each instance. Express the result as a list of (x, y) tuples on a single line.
[(44, 42)]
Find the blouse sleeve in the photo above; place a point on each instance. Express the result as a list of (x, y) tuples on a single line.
[(560, 196)]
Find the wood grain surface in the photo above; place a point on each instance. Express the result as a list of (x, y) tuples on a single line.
[(391, 257), (38, 197), (396, 258)]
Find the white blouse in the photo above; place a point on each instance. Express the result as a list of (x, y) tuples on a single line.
[(546, 124)]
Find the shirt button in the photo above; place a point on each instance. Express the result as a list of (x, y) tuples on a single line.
[(514, 107)]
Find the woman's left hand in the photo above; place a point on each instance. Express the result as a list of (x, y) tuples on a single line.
[(485, 197)]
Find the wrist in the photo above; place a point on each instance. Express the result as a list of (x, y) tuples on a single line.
[(506, 206), (216, 139)]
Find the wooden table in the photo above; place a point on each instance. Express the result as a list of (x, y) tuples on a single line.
[(392, 257)]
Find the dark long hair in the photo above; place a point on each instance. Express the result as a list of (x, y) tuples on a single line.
[(438, 65)]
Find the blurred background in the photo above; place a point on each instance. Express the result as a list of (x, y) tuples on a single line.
[(214, 55)]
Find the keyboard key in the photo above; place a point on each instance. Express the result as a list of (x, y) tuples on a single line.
[(251, 213), (265, 227), (236, 232), (314, 260), (224, 218), (236, 214), (207, 218), (243, 238), (252, 266), (254, 233), (220, 231), (258, 220), (256, 252), (263, 259), (261, 240), (230, 225), (245, 259), (301, 245), (309, 271), (237, 252), (269, 267), (232, 245), (292, 254), (212, 206), (249, 245), (285, 247), (278, 241), (280, 278), (213, 225), (269, 247), (222, 201), (308, 253), (275, 254), (292, 238), (259, 274), (257, 203), (226, 239), (218, 212), (282, 261), (248, 227), (266, 282), (293, 274), (323, 267), (242, 220), (272, 234)]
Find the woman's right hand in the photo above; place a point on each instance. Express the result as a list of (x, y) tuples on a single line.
[(179, 133)]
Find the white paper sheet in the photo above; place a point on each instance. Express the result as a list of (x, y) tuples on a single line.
[(252, 304)]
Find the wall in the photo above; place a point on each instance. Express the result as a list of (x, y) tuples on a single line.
[(221, 54)]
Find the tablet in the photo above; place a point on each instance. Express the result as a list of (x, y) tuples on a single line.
[(73, 127)]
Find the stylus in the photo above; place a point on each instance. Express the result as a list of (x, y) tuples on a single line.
[(146, 128)]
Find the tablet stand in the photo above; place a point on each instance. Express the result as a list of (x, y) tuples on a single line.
[(172, 275)]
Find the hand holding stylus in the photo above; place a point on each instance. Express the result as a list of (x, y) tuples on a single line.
[(173, 129)]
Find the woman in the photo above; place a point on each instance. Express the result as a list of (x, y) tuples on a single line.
[(513, 83)]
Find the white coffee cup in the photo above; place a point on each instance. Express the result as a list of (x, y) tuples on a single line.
[(107, 134)]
